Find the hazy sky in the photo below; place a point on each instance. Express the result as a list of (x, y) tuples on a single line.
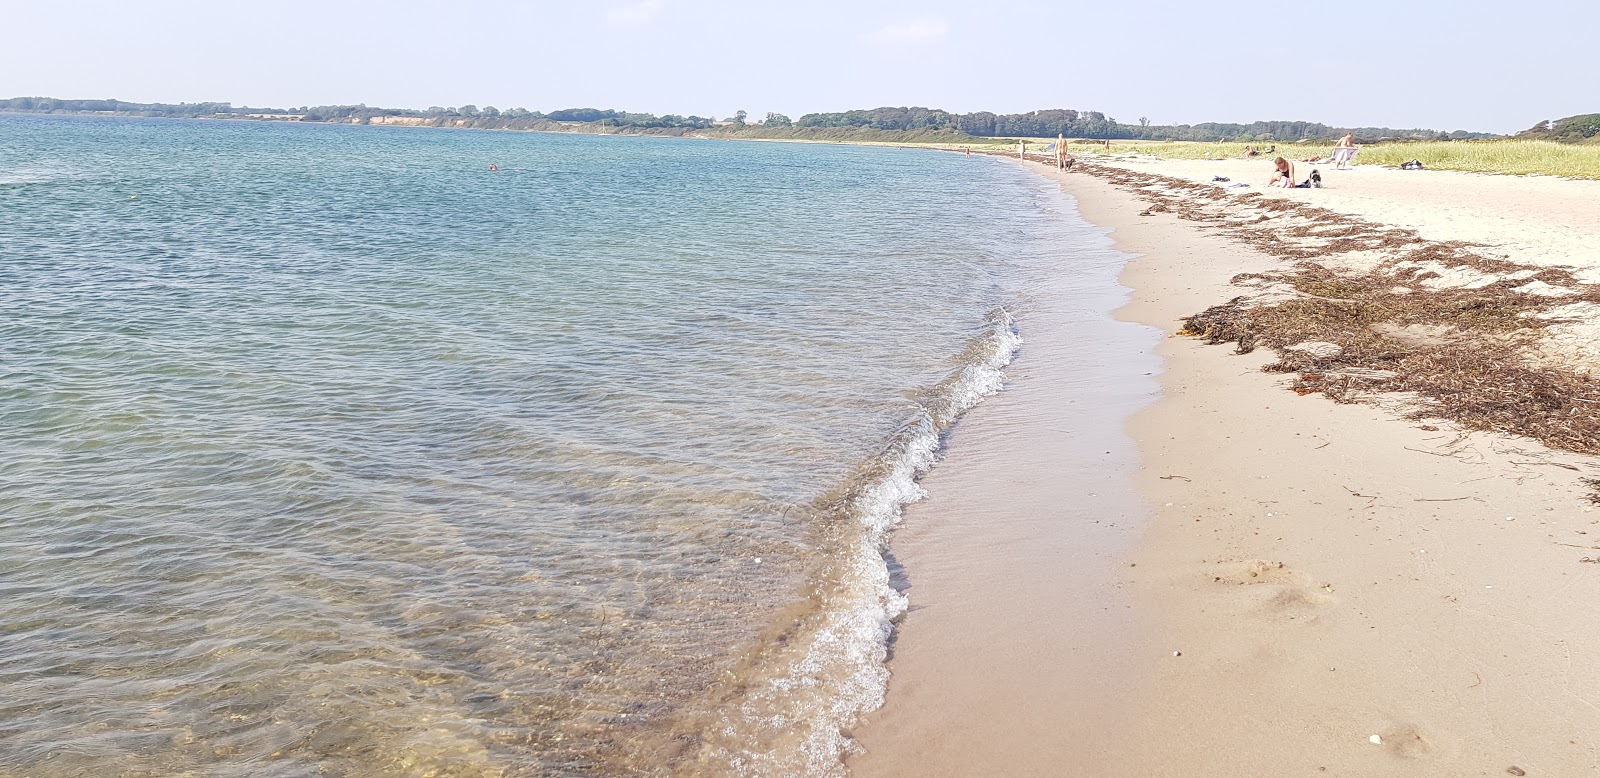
[(1469, 64)]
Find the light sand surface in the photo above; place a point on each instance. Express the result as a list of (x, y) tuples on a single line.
[(1329, 574), (1535, 220)]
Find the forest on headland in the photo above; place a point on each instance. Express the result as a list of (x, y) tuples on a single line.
[(886, 123)]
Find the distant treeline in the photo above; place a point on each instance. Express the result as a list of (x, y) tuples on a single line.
[(920, 121), (1093, 124), (1573, 129), (355, 114)]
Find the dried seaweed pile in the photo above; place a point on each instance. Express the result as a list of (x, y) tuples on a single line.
[(1352, 315)]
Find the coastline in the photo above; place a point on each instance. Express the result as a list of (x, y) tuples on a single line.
[(1322, 588), (1015, 652)]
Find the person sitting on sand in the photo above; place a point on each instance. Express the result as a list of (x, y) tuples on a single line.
[(1282, 173)]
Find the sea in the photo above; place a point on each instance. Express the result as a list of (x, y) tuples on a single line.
[(333, 451)]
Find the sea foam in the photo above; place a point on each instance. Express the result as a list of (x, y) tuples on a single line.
[(795, 721)]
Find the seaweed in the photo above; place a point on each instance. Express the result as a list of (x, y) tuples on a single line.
[(1465, 353)]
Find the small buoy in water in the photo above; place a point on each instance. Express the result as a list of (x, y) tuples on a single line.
[(133, 197)]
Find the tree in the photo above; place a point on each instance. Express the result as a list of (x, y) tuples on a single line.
[(491, 112), (1144, 121), (469, 110), (583, 115), (777, 120), (739, 117)]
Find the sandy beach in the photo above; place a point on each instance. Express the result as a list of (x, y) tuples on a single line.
[(1304, 587)]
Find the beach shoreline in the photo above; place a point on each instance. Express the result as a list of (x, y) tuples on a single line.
[(1016, 650), (1322, 588)]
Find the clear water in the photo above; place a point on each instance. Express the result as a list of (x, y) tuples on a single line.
[(326, 451)]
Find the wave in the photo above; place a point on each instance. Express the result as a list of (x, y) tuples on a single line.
[(788, 710)]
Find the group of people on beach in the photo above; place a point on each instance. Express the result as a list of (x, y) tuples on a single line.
[(1064, 161), (1282, 169)]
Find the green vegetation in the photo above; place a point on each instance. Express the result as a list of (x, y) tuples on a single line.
[(1034, 124), (469, 116), (53, 105), (1500, 156), (1093, 124), (1573, 129)]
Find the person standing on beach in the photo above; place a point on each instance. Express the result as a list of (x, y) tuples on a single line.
[(1061, 151), (1022, 150), (1344, 151)]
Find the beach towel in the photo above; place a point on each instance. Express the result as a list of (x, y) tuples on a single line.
[(1344, 155)]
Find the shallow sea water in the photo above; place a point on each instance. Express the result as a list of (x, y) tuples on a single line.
[(326, 451)]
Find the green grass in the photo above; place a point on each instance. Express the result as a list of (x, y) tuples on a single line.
[(1516, 157)]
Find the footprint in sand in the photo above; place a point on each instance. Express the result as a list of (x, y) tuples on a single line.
[(1283, 592), (1404, 741)]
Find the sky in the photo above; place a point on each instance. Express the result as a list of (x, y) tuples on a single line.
[(1469, 64)]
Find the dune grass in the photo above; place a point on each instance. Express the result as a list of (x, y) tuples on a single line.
[(1510, 156), (1517, 157)]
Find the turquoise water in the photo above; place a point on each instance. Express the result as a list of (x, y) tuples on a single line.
[(326, 450)]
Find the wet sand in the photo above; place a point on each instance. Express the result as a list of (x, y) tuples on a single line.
[(1016, 650), (1347, 592)]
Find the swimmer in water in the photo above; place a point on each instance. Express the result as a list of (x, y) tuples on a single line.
[(493, 168)]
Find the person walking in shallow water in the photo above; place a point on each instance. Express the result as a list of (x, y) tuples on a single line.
[(1022, 150)]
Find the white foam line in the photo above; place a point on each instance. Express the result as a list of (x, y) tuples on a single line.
[(856, 629)]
